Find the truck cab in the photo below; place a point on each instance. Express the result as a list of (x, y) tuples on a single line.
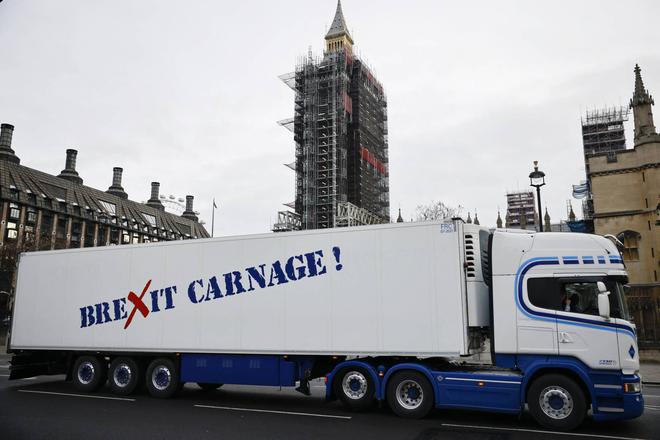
[(558, 305)]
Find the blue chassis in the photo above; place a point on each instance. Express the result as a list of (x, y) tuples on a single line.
[(494, 391)]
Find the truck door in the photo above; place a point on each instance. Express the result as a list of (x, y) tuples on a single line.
[(537, 325), (582, 333)]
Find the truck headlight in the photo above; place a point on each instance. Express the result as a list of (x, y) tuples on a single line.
[(633, 387)]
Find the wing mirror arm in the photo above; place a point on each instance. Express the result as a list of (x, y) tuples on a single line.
[(603, 300)]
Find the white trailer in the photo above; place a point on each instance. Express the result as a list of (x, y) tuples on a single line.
[(379, 311), (294, 293)]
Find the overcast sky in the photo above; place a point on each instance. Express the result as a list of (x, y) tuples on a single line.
[(187, 93)]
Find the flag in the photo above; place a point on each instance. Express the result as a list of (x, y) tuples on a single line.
[(581, 190)]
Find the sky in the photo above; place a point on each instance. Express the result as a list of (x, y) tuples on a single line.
[(187, 93)]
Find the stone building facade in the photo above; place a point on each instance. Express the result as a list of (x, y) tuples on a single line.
[(42, 211), (626, 195)]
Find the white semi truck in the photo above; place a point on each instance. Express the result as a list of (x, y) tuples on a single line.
[(384, 313)]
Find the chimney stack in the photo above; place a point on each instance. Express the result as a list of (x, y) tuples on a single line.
[(69, 172), (154, 201), (6, 153), (116, 188), (189, 213)]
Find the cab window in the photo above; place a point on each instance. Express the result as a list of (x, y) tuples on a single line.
[(577, 295)]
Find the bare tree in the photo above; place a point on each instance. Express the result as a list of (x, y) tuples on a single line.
[(436, 211)]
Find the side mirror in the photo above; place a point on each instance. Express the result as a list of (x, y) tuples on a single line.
[(603, 300)]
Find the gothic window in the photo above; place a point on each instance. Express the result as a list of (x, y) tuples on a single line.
[(45, 230), (102, 236), (14, 211), (76, 231), (89, 235), (12, 231), (114, 236), (630, 240), (31, 217)]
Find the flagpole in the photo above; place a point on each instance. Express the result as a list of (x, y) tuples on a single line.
[(213, 218)]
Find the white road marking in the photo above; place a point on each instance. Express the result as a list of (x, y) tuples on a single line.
[(651, 395), (539, 431), (292, 413), (89, 396), (25, 378)]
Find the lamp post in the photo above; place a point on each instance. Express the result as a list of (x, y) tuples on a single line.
[(537, 180)]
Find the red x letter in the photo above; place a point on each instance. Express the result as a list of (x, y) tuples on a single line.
[(137, 304)]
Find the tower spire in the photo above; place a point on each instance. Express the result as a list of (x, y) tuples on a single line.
[(338, 36), (546, 221), (641, 95), (640, 104), (499, 219), (399, 219)]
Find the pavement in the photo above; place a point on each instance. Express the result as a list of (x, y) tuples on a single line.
[(50, 408), (650, 372)]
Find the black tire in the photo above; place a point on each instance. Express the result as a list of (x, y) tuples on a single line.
[(557, 402), (89, 373), (209, 386), (162, 378), (410, 394), (355, 388), (124, 375)]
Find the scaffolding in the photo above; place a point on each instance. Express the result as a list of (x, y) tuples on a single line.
[(340, 133), (521, 210), (287, 221), (350, 215), (603, 131)]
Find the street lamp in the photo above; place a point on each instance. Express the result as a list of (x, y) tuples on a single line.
[(537, 180)]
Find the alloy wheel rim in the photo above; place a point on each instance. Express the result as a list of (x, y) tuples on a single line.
[(354, 385), (161, 377), (556, 402), (86, 372), (122, 375), (409, 394)]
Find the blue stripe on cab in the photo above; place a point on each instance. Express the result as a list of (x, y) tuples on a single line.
[(552, 316)]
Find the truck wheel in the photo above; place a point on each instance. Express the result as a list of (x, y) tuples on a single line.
[(162, 378), (209, 386), (89, 373), (557, 402), (123, 375), (355, 388), (410, 395)]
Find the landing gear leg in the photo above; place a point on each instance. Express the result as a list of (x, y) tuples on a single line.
[(304, 385)]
